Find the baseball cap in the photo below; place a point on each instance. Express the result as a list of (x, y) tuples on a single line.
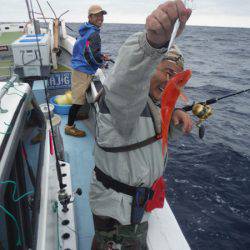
[(95, 9), (175, 55)]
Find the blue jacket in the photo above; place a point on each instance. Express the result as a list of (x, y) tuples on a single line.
[(87, 55)]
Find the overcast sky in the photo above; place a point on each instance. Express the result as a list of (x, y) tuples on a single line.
[(227, 13)]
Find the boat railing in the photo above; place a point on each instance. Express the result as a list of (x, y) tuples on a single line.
[(6, 87)]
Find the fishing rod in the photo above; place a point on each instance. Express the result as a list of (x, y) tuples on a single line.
[(71, 29), (63, 197), (202, 110), (111, 60), (213, 100), (58, 166)]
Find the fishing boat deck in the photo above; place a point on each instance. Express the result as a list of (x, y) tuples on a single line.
[(164, 231), (78, 152)]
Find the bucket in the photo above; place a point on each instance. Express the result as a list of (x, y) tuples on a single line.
[(45, 109), (60, 109)]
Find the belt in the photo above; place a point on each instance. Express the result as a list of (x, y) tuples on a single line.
[(109, 182)]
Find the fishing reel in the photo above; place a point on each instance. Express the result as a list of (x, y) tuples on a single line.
[(202, 111), (65, 199)]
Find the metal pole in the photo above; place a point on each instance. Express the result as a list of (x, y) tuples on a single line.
[(28, 8)]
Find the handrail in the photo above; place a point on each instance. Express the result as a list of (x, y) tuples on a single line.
[(8, 85)]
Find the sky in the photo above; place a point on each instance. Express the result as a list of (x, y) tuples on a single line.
[(221, 13)]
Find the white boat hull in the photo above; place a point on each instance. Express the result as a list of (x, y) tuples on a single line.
[(164, 232)]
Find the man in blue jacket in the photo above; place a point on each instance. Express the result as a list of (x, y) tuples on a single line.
[(86, 59)]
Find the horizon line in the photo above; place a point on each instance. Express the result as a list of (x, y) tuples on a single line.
[(194, 25)]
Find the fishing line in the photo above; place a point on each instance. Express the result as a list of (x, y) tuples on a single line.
[(76, 33)]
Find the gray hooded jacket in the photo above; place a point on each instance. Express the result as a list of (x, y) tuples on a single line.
[(123, 119)]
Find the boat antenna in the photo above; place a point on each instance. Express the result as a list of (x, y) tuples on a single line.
[(63, 14), (58, 166), (42, 14), (28, 8), (52, 9), (55, 12)]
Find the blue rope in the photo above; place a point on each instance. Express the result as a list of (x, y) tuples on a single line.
[(14, 192), (18, 243)]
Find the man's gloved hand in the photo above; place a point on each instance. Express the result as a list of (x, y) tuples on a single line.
[(160, 22)]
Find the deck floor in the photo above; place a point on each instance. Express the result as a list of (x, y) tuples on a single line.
[(79, 153)]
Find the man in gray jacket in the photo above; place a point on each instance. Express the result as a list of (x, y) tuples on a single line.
[(126, 155)]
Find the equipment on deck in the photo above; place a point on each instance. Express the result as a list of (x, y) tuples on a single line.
[(26, 55)]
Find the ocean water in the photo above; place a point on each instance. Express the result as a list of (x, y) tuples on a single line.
[(208, 181)]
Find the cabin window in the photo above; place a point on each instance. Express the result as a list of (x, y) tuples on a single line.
[(21, 27), (7, 28), (18, 218)]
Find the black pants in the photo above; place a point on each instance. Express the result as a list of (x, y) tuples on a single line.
[(72, 113)]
